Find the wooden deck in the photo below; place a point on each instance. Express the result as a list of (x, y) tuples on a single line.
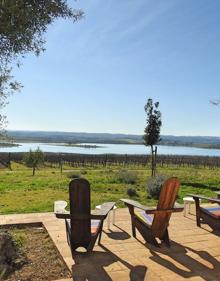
[(194, 253)]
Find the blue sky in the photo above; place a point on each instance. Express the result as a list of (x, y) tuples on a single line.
[(97, 74)]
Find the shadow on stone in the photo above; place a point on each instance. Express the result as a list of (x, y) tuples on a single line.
[(187, 262), (91, 266)]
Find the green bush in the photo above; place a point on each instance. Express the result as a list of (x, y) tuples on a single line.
[(128, 177), (154, 185), (131, 192)]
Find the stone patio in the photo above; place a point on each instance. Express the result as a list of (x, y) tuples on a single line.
[(194, 253)]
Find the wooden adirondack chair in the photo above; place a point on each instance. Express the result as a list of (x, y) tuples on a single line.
[(153, 222), (82, 227), (209, 215)]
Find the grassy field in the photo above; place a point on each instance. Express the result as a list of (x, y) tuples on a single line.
[(20, 192)]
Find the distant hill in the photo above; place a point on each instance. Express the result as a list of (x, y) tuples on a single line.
[(73, 137)]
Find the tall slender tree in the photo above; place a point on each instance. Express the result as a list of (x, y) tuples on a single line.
[(152, 131)]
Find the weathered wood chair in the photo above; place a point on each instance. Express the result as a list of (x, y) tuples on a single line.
[(82, 227), (210, 214), (153, 222)]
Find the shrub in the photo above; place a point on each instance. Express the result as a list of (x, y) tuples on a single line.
[(131, 192), (128, 177), (154, 185)]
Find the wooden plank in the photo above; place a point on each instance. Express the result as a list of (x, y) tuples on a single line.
[(214, 200)]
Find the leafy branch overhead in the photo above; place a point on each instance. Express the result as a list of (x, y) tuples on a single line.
[(23, 23), (22, 28)]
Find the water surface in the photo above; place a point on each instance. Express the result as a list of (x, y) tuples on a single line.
[(112, 149)]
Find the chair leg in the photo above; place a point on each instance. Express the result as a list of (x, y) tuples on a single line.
[(166, 238), (133, 227), (146, 233), (198, 219), (100, 233), (152, 240), (109, 220), (100, 236), (185, 205), (67, 232), (92, 244)]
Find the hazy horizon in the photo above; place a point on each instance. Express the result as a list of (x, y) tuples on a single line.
[(84, 132)]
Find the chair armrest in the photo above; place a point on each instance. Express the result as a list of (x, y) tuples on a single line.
[(176, 209), (103, 211), (135, 204), (151, 210), (60, 210), (197, 197)]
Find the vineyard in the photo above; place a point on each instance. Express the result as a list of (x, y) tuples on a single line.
[(77, 160), (110, 176)]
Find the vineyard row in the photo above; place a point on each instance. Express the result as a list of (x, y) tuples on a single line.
[(114, 159)]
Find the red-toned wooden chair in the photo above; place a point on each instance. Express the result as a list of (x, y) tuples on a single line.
[(153, 223), (210, 214), (82, 227)]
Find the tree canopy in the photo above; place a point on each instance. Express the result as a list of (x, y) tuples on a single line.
[(152, 130), (22, 27), (34, 159)]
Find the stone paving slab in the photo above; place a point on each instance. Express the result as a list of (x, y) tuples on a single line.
[(194, 253)]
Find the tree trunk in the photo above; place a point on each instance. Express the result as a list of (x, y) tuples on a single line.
[(152, 160), (61, 167), (155, 160)]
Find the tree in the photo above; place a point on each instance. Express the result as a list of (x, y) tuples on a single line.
[(152, 131), (22, 26), (34, 159)]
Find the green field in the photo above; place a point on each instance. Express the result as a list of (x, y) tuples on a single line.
[(20, 192)]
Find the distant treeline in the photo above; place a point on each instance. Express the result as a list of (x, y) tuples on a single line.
[(59, 159), (74, 138)]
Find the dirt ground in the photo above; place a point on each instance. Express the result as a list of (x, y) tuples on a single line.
[(43, 261)]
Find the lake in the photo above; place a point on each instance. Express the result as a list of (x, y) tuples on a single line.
[(112, 149)]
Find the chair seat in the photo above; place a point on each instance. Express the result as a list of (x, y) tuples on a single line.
[(145, 218), (95, 224), (213, 210)]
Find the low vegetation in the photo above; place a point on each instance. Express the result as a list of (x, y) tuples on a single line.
[(154, 185), (131, 192), (128, 177), (20, 192)]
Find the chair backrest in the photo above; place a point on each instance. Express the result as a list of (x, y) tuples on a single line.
[(79, 194), (166, 201)]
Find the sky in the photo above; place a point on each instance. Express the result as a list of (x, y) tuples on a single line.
[(97, 74)]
